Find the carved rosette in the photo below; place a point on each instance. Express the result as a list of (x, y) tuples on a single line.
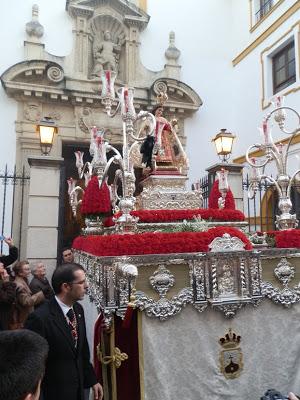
[(55, 74), (160, 87)]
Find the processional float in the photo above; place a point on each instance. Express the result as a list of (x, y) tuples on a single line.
[(145, 266)]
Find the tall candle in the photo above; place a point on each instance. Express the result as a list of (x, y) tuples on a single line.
[(265, 129)]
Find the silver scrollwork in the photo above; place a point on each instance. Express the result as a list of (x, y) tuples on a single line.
[(226, 243), (162, 280), (164, 308), (287, 296)]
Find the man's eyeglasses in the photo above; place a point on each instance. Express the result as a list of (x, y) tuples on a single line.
[(79, 282)]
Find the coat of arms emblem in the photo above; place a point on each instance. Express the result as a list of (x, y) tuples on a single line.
[(231, 357)]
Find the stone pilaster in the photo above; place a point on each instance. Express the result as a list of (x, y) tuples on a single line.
[(43, 210)]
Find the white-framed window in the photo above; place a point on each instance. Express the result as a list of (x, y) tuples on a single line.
[(280, 66), (284, 67)]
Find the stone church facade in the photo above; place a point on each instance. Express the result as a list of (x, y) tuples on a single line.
[(106, 34)]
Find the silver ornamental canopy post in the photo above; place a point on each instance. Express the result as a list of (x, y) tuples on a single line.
[(278, 153)]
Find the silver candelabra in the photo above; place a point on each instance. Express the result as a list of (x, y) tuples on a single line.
[(279, 154), (125, 173)]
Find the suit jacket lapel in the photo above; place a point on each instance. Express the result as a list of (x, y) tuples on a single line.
[(61, 322)]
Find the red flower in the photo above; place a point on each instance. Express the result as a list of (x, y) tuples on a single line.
[(152, 216), (289, 238), (215, 194), (154, 243), (95, 200), (108, 221)]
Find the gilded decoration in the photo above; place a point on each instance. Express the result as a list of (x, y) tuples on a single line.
[(231, 356)]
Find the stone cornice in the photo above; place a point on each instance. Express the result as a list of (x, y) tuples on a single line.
[(181, 96), (140, 22), (45, 161), (51, 85), (133, 15), (80, 11)]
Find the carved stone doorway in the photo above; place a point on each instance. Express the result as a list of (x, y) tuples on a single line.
[(69, 226)]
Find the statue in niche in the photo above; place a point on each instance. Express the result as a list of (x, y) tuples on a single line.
[(105, 54), (226, 281)]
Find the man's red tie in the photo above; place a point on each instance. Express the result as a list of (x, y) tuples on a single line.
[(73, 325)]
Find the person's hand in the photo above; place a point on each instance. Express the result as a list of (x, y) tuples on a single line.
[(292, 396), (97, 392), (9, 242), (2, 269), (5, 276)]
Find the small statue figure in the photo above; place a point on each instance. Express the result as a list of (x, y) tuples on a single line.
[(104, 55), (226, 281), (166, 147)]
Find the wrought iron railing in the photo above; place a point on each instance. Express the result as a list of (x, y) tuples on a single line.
[(265, 7), (260, 211), (12, 203)]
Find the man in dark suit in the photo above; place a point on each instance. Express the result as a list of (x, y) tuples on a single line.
[(61, 321)]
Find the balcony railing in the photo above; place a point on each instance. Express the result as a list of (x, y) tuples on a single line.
[(265, 7)]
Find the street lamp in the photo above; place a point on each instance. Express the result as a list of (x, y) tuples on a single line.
[(46, 130), (223, 142)]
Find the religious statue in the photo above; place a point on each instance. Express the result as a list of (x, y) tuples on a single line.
[(105, 54), (164, 150)]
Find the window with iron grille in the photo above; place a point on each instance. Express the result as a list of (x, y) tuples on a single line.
[(264, 7), (284, 68)]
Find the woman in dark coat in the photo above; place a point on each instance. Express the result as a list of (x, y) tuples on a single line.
[(40, 282), (7, 300)]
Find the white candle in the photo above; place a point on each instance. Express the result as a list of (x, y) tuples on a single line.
[(223, 181), (265, 129)]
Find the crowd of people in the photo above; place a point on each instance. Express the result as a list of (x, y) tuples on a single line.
[(56, 357)]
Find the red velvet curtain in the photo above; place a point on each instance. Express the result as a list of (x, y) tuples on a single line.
[(128, 375)]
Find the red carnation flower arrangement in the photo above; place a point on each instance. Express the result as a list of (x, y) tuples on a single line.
[(285, 239), (152, 216), (96, 201), (154, 242), (215, 194)]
